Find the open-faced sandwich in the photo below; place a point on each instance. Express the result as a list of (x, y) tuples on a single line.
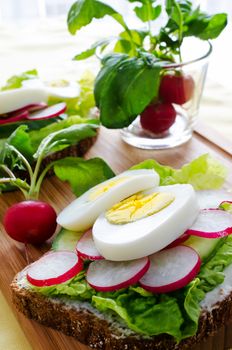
[(31, 110), (143, 261)]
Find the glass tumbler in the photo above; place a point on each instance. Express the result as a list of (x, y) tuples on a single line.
[(186, 97)]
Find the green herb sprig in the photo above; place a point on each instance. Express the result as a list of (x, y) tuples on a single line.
[(130, 76), (75, 170)]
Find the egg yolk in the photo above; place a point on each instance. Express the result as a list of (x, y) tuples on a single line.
[(138, 207), (105, 187)]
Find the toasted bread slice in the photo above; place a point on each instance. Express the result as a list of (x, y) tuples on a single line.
[(105, 331)]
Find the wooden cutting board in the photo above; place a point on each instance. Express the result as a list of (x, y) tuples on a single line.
[(120, 157)]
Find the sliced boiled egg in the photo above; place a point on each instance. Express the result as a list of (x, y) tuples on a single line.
[(83, 211), (146, 222)]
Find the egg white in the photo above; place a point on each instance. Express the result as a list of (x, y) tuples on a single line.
[(82, 212), (11, 100), (150, 234)]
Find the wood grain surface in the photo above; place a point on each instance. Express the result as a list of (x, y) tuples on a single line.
[(119, 156)]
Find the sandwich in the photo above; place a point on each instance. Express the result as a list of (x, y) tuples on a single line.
[(31, 109), (142, 261)]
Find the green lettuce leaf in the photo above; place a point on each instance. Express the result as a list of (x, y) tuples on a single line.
[(203, 173), (82, 174), (176, 313), (76, 287), (139, 313), (16, 81), (211, 273), (226, 206)]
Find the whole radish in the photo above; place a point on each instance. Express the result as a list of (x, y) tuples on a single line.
[(158, 117), (176, 88), (30, 221)]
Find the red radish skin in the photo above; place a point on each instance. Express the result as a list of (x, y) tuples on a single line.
[(158, 118), (30, 221), (14, 118), (49, 112), (171, 269), (177, 89), (108, 276), (178, 241), (49, 263), (208, 220), (31, 108), (86, 247)]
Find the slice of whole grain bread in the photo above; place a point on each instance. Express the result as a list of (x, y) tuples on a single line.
[(105, 331)]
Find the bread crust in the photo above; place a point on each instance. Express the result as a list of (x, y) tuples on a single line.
[(99, 333)]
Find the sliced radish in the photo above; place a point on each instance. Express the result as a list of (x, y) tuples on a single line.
[(106, 276), (14, 118), (86, 248), (212, 198), (49, 112), (171, 269), (212, 223), (178, 241), (54, 268), (32, 107)]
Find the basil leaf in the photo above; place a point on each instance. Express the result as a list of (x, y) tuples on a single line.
[(124, 87), (82, 174), (83, 12), (106, 75)]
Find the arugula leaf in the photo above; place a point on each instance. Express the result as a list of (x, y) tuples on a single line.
[(147, 12), (15, 81), (20, 139), (82, 174), (128, 42), (124, 87), (206, 27), (83, 12), (92, 50), (28, 142), (7, 129), (36, 137), (64, 138)]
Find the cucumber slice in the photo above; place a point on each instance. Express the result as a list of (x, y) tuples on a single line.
[(205, 247), (66, 240)]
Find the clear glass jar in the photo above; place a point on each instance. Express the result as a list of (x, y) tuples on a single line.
[(195, 57)]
